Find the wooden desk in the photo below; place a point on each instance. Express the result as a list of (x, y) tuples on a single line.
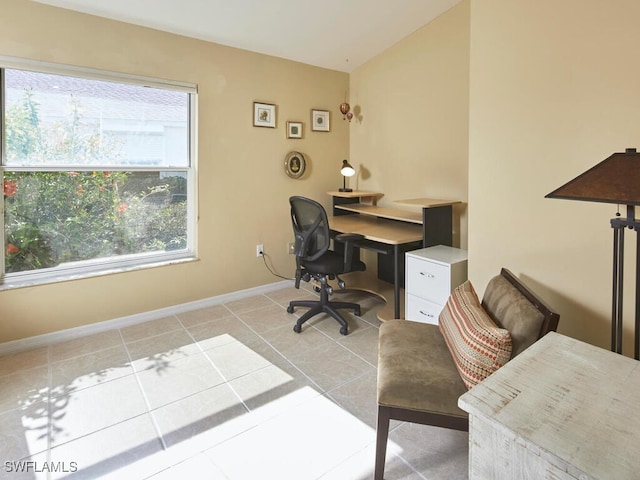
[(437, 220), (382, 212), (436, 217), (377, 229), (562, 409), (393, 231), (350, 198), (383, 236), (425, 202)]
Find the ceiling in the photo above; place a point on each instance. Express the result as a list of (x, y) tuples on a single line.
[(336, 34)]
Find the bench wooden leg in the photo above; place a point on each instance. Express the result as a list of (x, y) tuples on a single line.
[(381, 441)]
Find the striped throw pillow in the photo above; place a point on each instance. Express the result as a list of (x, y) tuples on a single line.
[(478, 346)]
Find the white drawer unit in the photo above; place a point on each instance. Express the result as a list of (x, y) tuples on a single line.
[(430, 276)]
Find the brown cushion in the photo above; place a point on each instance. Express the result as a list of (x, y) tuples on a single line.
[(415, 369), (512, 311), (477, 345)]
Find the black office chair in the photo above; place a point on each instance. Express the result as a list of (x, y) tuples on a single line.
[(315, 260)]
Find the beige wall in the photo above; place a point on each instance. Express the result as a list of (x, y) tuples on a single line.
[(530, 93), (243, 189), (410, 135), (554, 90)]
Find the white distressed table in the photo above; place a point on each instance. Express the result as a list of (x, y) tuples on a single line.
[(562, 409)]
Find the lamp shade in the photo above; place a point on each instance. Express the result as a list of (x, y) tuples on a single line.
[(614, 180), (347, 170)]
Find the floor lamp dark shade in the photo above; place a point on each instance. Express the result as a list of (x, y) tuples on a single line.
[(614, 180)]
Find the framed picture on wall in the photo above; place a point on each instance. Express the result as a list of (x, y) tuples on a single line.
[(320, 120), (294, 129), (264, 115), (295, 164)]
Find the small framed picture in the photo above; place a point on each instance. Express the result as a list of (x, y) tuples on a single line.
[(295, 164), (264, 115), (320, 120), (294, 129)]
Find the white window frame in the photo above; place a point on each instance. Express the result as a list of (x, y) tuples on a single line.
[(105, 265)]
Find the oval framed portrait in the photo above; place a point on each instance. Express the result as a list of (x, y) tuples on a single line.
[(295, 164)]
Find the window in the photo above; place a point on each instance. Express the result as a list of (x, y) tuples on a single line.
[(97, 172)]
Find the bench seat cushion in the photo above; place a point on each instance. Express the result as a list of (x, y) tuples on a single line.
[(416, 371)]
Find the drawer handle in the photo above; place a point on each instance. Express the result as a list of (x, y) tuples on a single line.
[(430, 315), (427, 274)]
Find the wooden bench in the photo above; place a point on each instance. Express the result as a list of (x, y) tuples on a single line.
[(418, 380)]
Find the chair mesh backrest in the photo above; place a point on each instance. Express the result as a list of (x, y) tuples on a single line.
[(310, 227)]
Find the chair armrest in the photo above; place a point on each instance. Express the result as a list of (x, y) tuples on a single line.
[(350, 242)]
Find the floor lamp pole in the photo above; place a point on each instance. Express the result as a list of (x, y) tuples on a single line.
[(619, 224), (637, 327)]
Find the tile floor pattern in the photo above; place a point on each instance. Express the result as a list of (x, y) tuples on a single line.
[(226, 392)]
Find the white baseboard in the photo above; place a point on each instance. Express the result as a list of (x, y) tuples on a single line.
[(84, 330)]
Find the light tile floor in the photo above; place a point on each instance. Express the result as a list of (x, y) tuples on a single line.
[(226, 392)]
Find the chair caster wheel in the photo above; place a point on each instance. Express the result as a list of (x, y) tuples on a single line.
[(357, 312), (297, 328), (344, 331), (289, 309)]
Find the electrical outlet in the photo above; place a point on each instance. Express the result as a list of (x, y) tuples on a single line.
[(291, 248), (259, 250)]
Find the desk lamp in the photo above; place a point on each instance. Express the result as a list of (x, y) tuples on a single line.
[(614, 180), (347, 171)]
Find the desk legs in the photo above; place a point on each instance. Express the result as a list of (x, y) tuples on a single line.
[(392, 270), (437, 226)]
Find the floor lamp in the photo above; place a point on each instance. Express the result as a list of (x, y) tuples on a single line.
[(614, 180)]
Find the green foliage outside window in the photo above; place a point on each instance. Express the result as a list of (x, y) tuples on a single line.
[(55, 217)]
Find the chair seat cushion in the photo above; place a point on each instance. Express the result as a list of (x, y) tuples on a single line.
[(331, 262), (416, 371), (477, 345)]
